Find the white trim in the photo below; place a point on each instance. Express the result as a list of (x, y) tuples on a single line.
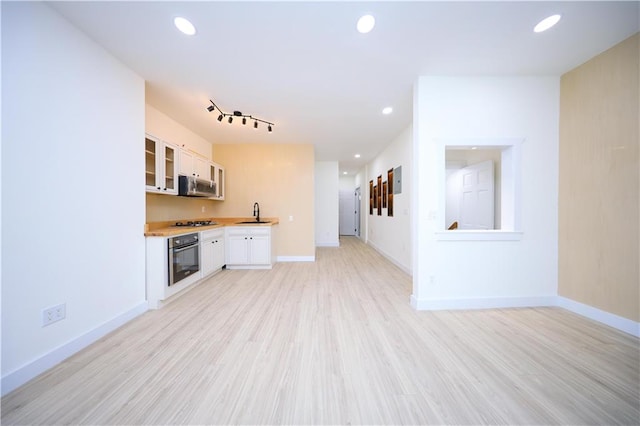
[(612, 320), (390, 259), (477, 235), (296, 258), (38, 366), (481, 303), (328, 244)]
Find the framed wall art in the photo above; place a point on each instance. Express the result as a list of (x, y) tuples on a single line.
[(379, 192), (385, 194), (390, 192), (371, 197)]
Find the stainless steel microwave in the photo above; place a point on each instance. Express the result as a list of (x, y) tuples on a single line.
[(191, 186)]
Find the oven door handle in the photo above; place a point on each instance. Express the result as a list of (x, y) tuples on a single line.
[(178, 250)]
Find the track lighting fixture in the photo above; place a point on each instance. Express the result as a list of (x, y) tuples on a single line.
[(223, 114)]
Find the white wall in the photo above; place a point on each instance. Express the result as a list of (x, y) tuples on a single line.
[(347, 183), (326, 203), (72, 190), (391, 236), (450, 274)]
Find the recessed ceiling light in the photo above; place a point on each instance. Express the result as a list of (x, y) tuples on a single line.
[(184, 25), (546, 23), (366, 23), (357, 155), (474, 147), (387, 110), (344, 173)]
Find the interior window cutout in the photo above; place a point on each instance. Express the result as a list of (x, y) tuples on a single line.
[(472, 188), (481, 187)]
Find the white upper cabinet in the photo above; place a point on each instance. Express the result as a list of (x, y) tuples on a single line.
[(217, 175), (161, 166), (193, 165)]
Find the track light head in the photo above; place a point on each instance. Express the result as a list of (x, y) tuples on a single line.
[(269, 128), (220, 117), (230, 119), (255, 124), (211, 108), (244, 120)]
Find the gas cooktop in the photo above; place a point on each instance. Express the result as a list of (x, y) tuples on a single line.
[(196, 223)]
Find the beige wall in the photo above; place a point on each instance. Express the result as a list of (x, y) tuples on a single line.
[(164, 127), (599, 192), (281, 178), (162, 207)]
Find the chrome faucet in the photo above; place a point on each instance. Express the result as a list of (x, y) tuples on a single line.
[(256, 211)]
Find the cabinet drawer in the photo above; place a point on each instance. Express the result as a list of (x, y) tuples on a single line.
[(248, 230), (212, 233)]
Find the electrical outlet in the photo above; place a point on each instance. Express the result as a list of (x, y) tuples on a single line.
[(53, 314), (204, 209)]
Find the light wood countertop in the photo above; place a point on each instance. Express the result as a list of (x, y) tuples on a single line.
[(169, 229)]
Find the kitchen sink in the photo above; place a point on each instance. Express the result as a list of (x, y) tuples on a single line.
[(253, 221)]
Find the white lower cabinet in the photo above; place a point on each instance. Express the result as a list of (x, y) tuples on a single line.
[(212, 259), (237, 247), (212, 256), (249, 247), (157, 274)]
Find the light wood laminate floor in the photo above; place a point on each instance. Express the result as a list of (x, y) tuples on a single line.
[(336, 342)]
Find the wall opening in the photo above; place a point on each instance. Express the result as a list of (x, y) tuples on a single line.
[(495, 160)]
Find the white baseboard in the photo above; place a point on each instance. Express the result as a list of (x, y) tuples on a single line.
[(612, 320), (481, 303), (607, 318), (390, 258), (296, 258), (27, 372), (328, 244)]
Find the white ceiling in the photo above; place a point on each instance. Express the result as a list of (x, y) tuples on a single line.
[(304, 67)]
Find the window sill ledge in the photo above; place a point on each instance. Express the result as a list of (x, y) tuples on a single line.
[(464, 235)]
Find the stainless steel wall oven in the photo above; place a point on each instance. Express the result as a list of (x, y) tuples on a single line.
[(184, 257)]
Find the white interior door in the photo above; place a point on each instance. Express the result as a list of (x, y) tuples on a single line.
[(476, 196), (347, 218)]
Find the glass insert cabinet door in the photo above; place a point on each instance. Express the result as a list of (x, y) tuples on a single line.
[(161, 166), (170, 168), (150, 154)]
